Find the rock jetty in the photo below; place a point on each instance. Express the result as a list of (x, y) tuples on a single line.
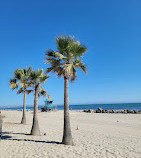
[(126, 111)]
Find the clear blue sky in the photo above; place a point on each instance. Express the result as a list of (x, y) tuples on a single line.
[(111, 29)]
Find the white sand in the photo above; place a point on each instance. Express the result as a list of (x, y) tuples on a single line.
[(99, 136)]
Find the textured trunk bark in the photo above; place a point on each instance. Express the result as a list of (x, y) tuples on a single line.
[(67, 137), (24, 110), (35, 126)]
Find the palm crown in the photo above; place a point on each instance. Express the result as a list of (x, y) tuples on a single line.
[(21, 77), (37, 78), (67, 58)]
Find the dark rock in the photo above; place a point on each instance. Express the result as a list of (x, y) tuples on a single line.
[(100, 109), (106, 111), (115, 111), (85, 110), (90, 111), (110, 111), (103, 111), (129, 111), (125, 111), (135, 112)]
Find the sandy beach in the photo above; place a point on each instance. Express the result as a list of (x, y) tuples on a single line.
[(99, 136)]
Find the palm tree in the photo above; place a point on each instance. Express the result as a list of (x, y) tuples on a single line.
[(64, 62), (37, 78), (21, 78)]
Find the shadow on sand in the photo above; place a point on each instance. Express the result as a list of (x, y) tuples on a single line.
[(7, 137), (37, 141), (3, 133), (15, 123)]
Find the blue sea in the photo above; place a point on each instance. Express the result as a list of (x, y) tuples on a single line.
[(131, 106)]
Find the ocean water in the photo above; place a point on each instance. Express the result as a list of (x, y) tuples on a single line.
[(131, 106)]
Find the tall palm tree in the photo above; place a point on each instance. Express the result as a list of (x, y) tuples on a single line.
[(21, 78), (64, 62), (37, 78)]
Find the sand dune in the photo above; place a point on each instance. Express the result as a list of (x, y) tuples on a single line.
[(99, 136)]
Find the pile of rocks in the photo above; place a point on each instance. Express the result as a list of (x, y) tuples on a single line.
[(126, 111)]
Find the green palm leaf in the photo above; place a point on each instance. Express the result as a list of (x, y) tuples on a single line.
[(63, 43), (37, 78), (21, 83), (21, 90), (42, 92), (29, 91), (44, 78), (71, 60), (78, 50), (21, 78), (58, 55), (13, 86)]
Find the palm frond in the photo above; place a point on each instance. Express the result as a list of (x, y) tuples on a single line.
[(21, 78), (49, 69), (84, 68), (44, 78), (39, 73), (29, 91), (73, 75), (21, 83), (59, 71), (79, 64), (63, 43), (37, 78), (33, 76), (52, 53), (78, 49), (13, 80), (29, 70), (13, 84), (18, 74), (53, 61), (21, 90), (42, 92), (72, 51), (30, 84)]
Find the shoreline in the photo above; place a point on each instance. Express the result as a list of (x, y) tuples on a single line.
[(100, 111)]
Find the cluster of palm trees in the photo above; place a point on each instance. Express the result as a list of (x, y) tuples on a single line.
[(63, 63), (27, 78)]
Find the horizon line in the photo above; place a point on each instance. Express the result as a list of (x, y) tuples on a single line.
[(73, 104)]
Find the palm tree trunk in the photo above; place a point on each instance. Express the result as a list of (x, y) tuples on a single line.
[(67, 137), (35, 126), (23, 121)]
